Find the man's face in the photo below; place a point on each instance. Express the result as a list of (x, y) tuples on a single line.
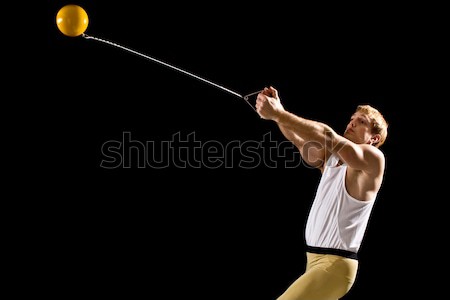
[(358, 130)]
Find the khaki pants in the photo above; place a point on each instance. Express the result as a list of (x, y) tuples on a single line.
[(327, 277)]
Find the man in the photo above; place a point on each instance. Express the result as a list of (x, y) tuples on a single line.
[(352, 168)]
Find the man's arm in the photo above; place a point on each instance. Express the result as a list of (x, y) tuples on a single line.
[(362, 157), (312, 150), (312, 153), (320, 137)]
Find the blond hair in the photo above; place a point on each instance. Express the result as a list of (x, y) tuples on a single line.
[(379, 124)]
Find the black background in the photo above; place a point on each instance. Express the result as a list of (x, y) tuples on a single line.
[(216, 233)]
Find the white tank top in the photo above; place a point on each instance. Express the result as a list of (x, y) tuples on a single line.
[(336, 219)]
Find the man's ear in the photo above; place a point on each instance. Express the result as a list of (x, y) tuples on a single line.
[(375, 139)]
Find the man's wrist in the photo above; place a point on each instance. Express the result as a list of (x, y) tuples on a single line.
[(280, 116)]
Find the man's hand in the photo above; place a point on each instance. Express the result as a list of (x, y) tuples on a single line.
[(268, 104)]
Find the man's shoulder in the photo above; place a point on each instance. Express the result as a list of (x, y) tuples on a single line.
[(373, 151)]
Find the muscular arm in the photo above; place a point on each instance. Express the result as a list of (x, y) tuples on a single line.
[(312, 152), (307, 135), (326, 141), (316, 140)]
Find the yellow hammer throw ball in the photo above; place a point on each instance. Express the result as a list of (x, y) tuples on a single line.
[(72, 20)]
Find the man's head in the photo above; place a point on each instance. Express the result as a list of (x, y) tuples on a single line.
[(367, 126)]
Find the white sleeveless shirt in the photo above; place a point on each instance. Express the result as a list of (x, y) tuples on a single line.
[(336, 219)]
